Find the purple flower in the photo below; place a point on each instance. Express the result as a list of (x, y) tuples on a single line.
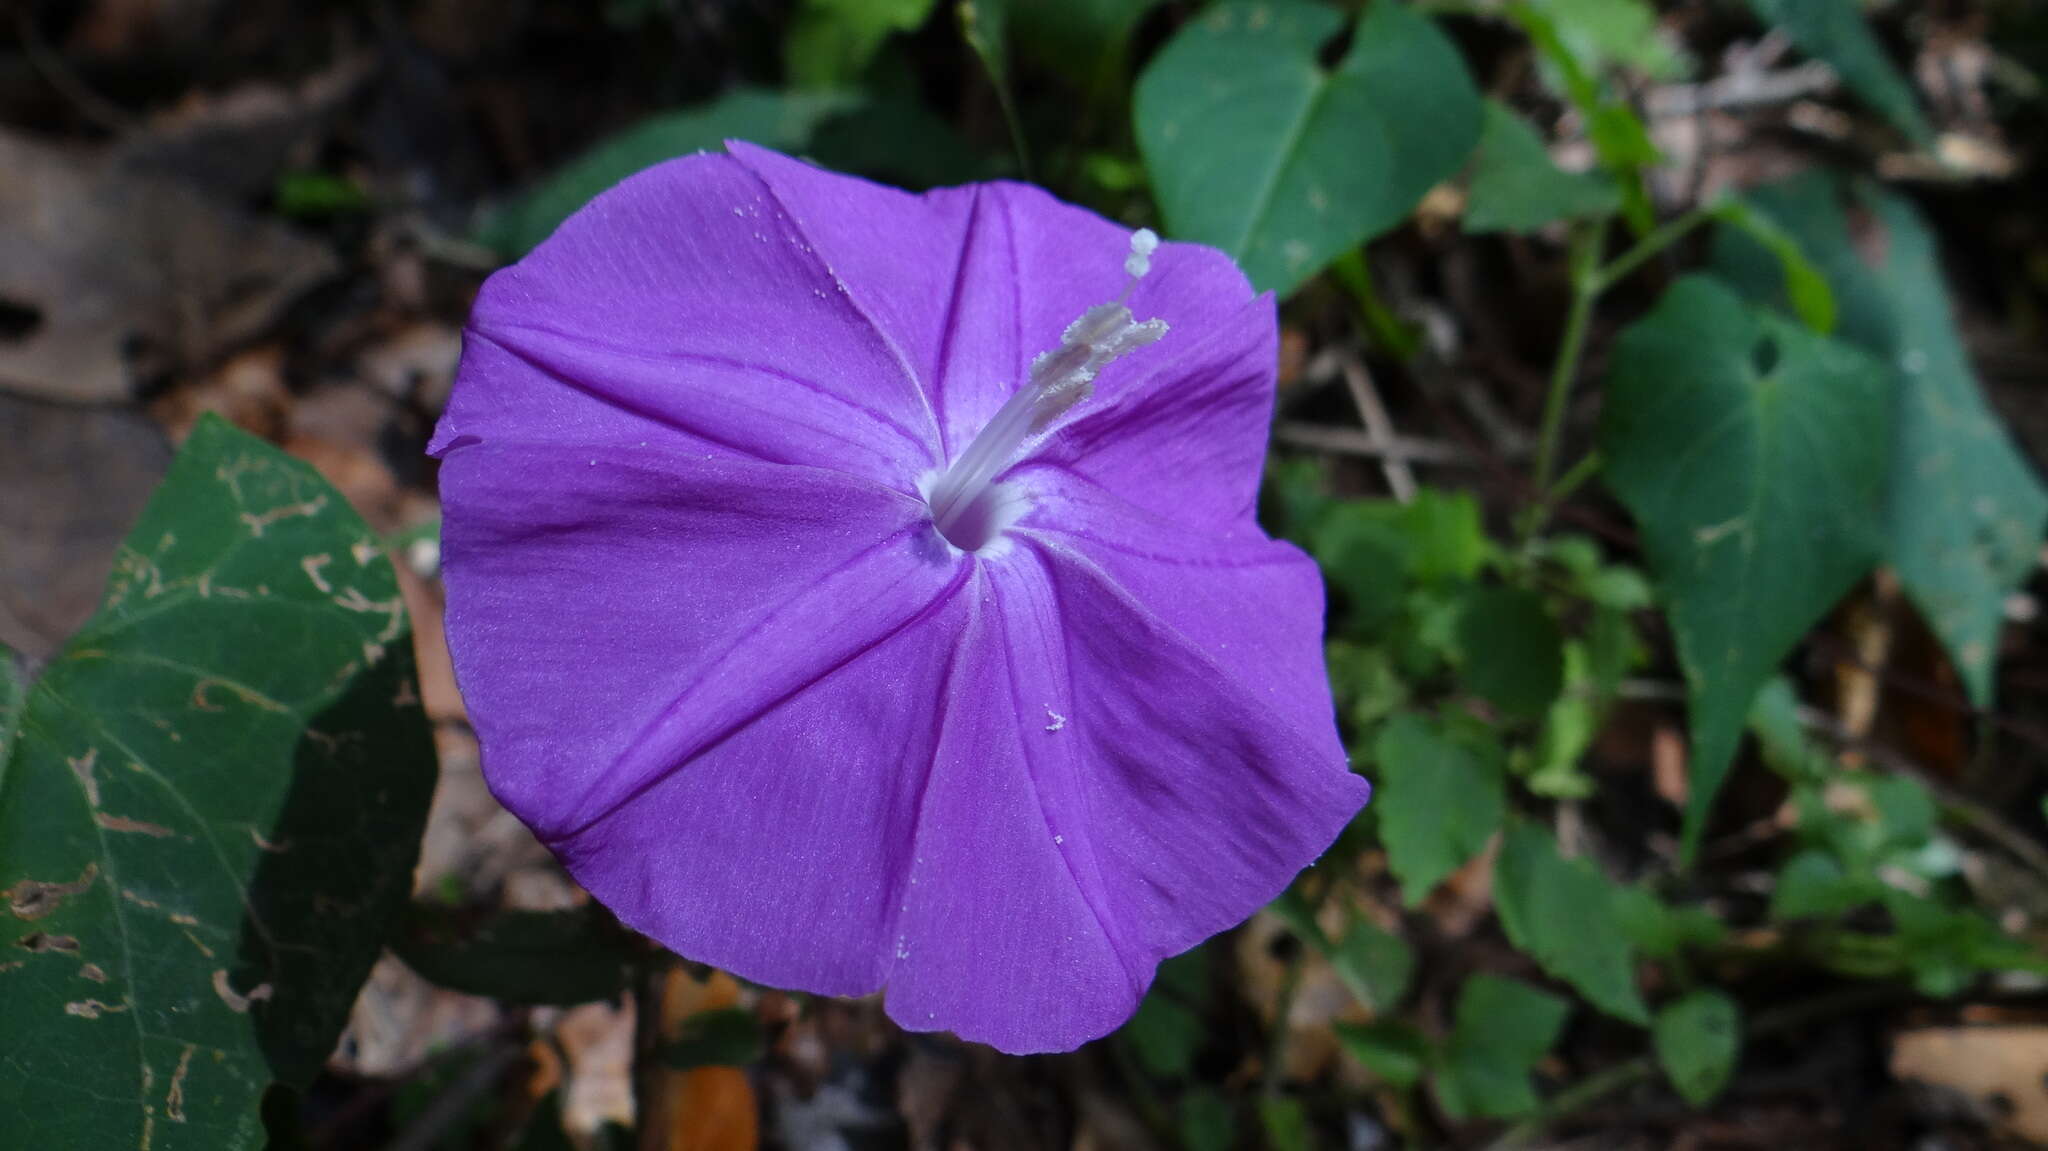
[(828, 629)]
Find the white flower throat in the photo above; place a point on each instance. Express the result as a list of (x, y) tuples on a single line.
[(971, 511)]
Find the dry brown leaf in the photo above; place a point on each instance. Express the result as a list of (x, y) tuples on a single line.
[(400, 1020), (234, 143), (2000, 1070), (359, 474), (1320, 998), (415, 364), (1465, 898), (113, 277), (247, 391), (75, 480)]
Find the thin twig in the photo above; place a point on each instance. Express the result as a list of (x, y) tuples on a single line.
[(1373, 414), (1742, 90), (55, 72), (1351, 442)]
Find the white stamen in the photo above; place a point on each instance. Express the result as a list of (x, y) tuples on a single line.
[(1059, 379), (1144, 242)]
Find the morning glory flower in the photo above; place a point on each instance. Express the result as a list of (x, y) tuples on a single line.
[(859, 591)]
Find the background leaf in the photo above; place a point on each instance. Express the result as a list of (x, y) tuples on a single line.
[(1285, 1121), (1834, 31), (547, 957), (720, 1037), (1572, 60), (1608, 33), (1561, 913), (831, 42), (1168, 1027), (1256, 148), (1376, 962), (1516, 187), (1697, 1039), (1394, 1050), (1511, 650), (1967, 512), (210, 814), (1083, 41), (781, 120), (1806, 290), (1503, 1027), (13, 692), (1206, 1121), (1439, 802), (1751, 453)]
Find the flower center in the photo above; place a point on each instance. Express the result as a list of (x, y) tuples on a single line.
[(971, 510)]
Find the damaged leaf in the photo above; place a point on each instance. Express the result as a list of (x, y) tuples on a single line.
[(209, 814)]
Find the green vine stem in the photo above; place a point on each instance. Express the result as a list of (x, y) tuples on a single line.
[(1590, 280)]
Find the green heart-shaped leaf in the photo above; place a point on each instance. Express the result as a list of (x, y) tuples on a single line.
[(1967, 511), (1255, 147), (1752, 454)]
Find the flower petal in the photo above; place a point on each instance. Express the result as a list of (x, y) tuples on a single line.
[(778, 853), (1203, 807), (936, 271), (1105, 795), (1252, 604), (974, 282), (1002, 940), (688, 298), (615, 622)]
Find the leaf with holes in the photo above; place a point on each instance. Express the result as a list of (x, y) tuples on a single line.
[(1255, 147), (1752, 454), (1967, 512), (209, 815)]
